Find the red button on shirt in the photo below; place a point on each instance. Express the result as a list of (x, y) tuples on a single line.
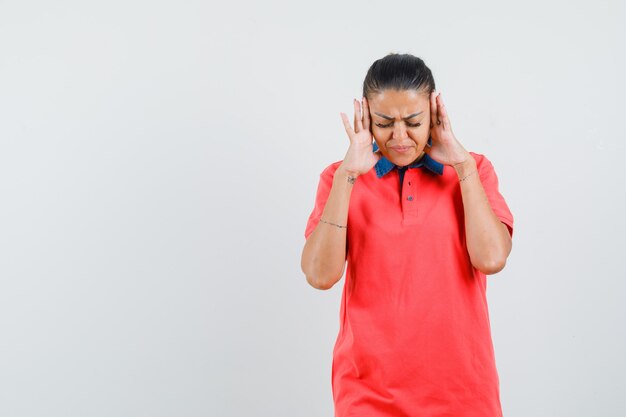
[(414, 337)]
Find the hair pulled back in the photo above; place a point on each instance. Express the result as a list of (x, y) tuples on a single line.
[(398, 72)]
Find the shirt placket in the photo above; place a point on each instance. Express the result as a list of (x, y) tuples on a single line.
[(409, 200)]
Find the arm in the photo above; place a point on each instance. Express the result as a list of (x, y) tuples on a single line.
[(324, 255), (488, 239)]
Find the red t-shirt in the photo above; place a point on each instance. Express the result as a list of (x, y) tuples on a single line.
[(414, 337)]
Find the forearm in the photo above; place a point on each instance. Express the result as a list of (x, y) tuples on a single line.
[(324, 254), (488, 241)]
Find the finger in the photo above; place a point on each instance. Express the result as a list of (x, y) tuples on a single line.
[(358, 125), (366, 114), (443, 113), (433, 108), (346, 125), (438, 109)]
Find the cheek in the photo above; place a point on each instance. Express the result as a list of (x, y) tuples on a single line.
[(379, 132), (419, 135)]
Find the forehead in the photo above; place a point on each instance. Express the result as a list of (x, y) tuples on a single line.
[(399, 102)]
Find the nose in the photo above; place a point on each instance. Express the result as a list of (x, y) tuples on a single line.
[(399, 131)]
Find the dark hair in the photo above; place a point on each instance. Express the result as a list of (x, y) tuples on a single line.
[(398, 72)]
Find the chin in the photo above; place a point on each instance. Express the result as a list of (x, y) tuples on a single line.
[(404, 159)]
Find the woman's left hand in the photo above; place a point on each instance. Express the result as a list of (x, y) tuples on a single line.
[(445, 148)]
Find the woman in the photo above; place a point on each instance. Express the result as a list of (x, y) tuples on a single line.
[(421, 223)]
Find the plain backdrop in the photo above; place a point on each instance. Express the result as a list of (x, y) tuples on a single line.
[(159, 160)]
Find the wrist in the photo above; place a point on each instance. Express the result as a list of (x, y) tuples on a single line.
[(346, 175), (465, 167)]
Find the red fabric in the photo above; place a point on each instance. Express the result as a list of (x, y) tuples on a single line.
[(414, 337)]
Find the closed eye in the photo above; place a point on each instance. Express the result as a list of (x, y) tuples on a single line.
[(408, 124)]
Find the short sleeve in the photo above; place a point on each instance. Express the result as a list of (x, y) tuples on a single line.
[(323, 190), (489, 179)]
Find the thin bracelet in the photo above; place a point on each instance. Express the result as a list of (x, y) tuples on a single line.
[(468, 175), (332, 223)]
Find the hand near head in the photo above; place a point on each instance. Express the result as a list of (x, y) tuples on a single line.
[(445, 146), (360, 157)]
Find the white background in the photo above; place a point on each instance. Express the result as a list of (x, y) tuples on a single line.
[(159, 160)]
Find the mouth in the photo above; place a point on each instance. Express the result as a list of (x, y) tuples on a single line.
[(401, 149)]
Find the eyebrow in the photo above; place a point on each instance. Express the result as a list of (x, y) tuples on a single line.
[(404, 118)]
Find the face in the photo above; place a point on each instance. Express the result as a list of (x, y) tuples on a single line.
[(400, 124)]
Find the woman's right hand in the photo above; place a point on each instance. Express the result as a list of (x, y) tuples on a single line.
[(360, 157)]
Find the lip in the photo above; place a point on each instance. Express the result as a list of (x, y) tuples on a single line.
[(401, 149)]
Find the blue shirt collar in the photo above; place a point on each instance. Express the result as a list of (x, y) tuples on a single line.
[(384, 165)]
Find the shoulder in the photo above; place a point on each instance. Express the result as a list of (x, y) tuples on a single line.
[(328, 174), (330, 169), (482, 162), (478, 157)]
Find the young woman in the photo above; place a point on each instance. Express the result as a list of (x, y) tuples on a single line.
[(420, 222)]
